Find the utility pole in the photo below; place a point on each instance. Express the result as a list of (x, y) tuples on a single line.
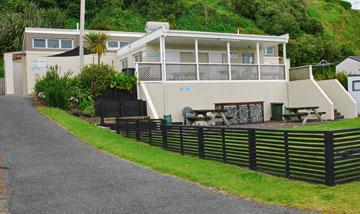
[(82, 24)]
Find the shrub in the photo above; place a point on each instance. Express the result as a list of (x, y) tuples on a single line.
[(55, 88), (96, 77), (122, 81), (87, 107)]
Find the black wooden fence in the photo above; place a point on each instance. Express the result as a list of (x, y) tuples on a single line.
[(326, 157)]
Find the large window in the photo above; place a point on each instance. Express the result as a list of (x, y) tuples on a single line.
[(39, 43), (248, 58), (53, 43), (113, 45)]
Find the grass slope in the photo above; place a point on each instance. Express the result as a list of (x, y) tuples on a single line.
[(339, 23), (333, 125), (231, 179)]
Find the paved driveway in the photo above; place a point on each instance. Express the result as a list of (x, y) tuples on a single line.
[(52, 171)]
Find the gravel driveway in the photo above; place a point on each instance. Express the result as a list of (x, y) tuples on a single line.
[(51, 171)]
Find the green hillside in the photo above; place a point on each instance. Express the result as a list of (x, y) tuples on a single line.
[(319, 29)]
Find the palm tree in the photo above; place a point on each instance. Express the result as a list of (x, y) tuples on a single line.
[(96, 43)]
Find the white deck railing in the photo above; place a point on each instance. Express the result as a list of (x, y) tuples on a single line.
[(300, 73), (208, 72)]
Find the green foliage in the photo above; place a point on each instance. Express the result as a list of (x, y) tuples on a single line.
[(97, 77), (96, 43), (16, 15), (1, 68), (55, 88), (87, 107), (329, 25), (122, 81), (329, 72)]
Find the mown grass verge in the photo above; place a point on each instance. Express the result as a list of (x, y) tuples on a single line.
[(222, 177)]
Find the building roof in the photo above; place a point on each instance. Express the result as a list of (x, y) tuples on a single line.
[(201, 35), (77, 32), (357, 58)]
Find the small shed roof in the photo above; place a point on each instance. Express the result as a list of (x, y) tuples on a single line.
[(357, 58)]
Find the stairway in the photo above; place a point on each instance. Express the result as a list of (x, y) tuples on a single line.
[(338, 115)]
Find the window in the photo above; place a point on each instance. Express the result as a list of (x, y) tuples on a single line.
[(112, 45), (138, 57), (39, 43), (248, 58), (123, 63), (53, 43), (270, 51), (116, 44), (123, 44), (356, 85), (66, 43)]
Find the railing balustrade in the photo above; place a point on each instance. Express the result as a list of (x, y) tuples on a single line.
[(147, 71), (244, 72), (214, 71), (181, 71), (272, 72)]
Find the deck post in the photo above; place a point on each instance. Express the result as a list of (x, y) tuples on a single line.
[(258, 59), (197, 59), (284, 60), (162, 58), (228, 57)]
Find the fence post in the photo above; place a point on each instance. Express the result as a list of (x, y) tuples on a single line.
[(223, 144), (164, 135), (137, 129), (329, 158), (181, 141), (127, 127), (102, 121), (149, 131), (286, 149), (252, 149), (117, 125), (201, 141)]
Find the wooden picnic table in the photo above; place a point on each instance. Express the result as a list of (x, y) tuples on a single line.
[(308, 111), (215, 113)]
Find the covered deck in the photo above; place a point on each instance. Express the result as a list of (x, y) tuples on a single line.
[(203, 56)]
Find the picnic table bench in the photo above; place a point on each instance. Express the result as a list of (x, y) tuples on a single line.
[(202, 115), (304, 112)]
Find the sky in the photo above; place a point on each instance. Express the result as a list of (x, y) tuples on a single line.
[(355, 3)]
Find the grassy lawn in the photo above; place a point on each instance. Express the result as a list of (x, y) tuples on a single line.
[(332, 125), (231, 179)]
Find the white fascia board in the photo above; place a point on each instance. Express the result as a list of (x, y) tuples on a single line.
[(228, 36), (76, 32), (141, 42)]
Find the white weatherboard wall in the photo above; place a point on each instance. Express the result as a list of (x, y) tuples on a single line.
[(171, 98), (35, 64), (309, 93), (342, 100), (9, 78)]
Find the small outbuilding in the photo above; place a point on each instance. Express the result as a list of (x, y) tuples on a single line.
[(350, 65)]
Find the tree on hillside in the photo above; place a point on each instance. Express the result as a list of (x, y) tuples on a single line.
[(14, 18), (96, 43)]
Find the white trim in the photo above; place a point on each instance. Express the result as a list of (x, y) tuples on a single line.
[(76, 32), (228, 50), (258, 59), (215, 81), (200, 35), (197, 59), (149, 100)]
